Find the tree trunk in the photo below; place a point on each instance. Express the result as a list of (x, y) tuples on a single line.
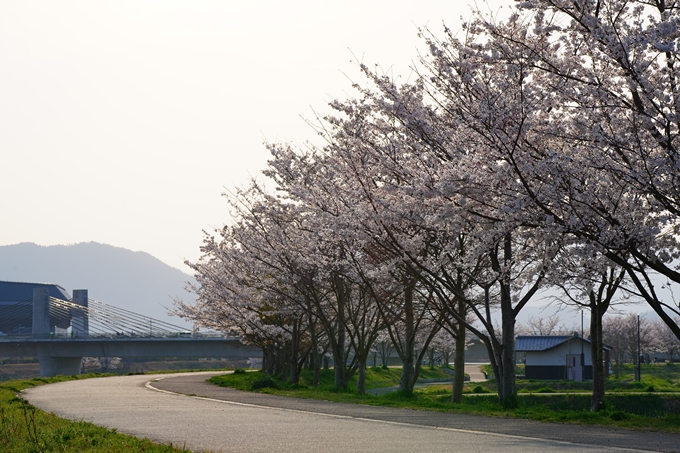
[(283, 369), (406, 381), (506, 385), (268, 360), (339, 358), (385, 351), (459, 364), (597, 400), (316, 356), (408, 377), (340, 364), (598, 307), (317, 369), (459, 359), (294, 373), (446, 357), (361, 377), (430, 358)]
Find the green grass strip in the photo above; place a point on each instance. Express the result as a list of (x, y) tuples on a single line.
[(26, 429), (636, 409)]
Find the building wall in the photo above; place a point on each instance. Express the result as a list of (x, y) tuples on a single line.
[(553, 372), (557, 357)]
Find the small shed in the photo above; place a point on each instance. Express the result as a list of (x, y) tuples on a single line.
[(558, 357)]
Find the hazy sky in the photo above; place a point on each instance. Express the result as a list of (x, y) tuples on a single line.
[(122, 122)]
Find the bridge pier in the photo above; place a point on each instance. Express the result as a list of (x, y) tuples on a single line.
[(52, 366)]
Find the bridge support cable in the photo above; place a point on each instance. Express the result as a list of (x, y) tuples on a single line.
[(106, 320), (16, 319)]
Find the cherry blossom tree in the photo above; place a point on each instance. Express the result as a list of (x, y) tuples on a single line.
[(608, 139), (343, 184), (443, 344), (249, 283), (384, 348), (621, 332), (578, 138), (470, 130), (665, 341), (589, 281), (542, 325), (104, 364)]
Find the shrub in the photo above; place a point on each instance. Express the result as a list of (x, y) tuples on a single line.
[(239, 371), (545, 390), (264, 382), (618, 415)]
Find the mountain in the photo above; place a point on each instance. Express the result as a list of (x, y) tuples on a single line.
[(135, 281)]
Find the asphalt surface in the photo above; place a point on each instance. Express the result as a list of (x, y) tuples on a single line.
[(471, 369), (474, 370), (184, 410)]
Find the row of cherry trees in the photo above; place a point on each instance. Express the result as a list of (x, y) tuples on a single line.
[(536, 152), (633, 339)]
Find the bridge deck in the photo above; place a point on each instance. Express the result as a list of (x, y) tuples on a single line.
[(128, 347)]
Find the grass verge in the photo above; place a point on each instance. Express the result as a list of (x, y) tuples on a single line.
[(641, 410), (26, 429)]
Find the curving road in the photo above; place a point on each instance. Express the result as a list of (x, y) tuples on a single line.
[(225, 420)]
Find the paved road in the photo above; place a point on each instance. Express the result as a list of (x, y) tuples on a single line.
[(474, 370), (471, 369), (225, 420)]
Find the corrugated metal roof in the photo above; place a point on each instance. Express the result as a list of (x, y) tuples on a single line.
[(18, 291), (528, 343), (542, 342)]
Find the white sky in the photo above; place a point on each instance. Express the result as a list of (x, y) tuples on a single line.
[(122, 122)]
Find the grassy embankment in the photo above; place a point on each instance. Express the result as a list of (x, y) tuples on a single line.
[(25, 429), (647, 405)]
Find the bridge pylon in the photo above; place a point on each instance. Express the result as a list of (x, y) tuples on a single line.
[(79, 321), (41, 313), (49, 364)]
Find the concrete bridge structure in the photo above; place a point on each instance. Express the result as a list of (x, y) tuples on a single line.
[(119, 333)]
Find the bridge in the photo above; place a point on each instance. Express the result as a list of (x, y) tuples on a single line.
[(61, 332)]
